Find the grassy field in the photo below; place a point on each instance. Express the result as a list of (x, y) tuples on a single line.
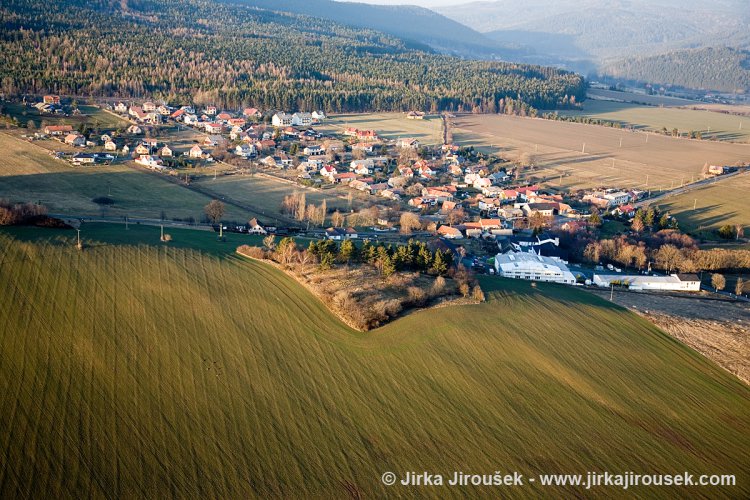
[(388, 126), (711, 125), (647, 161), (28, 173), (136, 371), (632, 97), (91, 115), (711, 207)]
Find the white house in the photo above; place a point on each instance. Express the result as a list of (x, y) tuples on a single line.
[(121, 107), (675, 282), (313, 150), (408, 143), (318, 116), (150, 162), (302, 119), (281, 120), (244, 150), (195, 152), (362, 167), (529, 266)]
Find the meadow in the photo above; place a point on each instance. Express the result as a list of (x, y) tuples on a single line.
[(93, 116), (710, 207), (388, 125), (711, 125), (28, 173), (152, 371), (645, 160)]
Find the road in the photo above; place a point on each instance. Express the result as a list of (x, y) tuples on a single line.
[(689, 187)]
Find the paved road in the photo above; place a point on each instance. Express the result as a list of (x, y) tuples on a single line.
[(690, 187)]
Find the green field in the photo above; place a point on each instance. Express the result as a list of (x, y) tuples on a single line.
[(711, 125), (138, 371), (27, 173), (710, 207)]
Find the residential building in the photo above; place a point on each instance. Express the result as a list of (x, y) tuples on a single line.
[(673, 282)]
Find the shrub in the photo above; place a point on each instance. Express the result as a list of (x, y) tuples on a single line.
[(250, 251)]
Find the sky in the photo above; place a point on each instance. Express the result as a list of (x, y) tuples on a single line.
[(422, 3)]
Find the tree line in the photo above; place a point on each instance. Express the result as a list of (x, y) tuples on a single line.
[(233, 56)]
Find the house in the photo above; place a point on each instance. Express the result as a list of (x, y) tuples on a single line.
[(624, 211), (318, 116), (83, 159), (408, 143), (362, 167), (150, 162), (499, 177), (302, 119), (211, 110), (255, 227), (367, 147), (328, 171), (58, 129), (673, 282), (313, 150), (75, 140), (224, 117), (213, 128), (405, 171), (110, 145), (121, 107), (340, 233), (51, 99), (482, 182), (166, 152), (195, 152), (574, 226), (272, 161), (142, 149), (236, 122), (149, 107), (265, 145), (449, 232), (244, 150), (545, 209), (367, 135), (125, 149), (134, 130), (211, 141), (344, 178), (415, 115), (251, 113), (529, 266), (617, 198), (178, 115), (281, 120), (163, 110)]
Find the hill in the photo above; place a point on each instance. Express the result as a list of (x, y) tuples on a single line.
[(233, 55), (584, 34), (721, 69), (135, 371), (418, 25)]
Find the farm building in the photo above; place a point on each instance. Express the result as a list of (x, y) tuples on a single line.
[(673, 282), (529, 266)]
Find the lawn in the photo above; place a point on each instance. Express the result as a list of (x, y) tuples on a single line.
[(28, 173), (149, 371), (720, 126), (708, 208)]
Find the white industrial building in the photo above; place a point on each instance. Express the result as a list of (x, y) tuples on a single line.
[(675, 282), (529, 266)]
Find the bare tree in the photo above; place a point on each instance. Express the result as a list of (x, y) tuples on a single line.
[(739, 287), (214, 210), (718, 281), (409, 221)]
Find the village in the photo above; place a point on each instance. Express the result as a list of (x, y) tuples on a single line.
[(486, 209)]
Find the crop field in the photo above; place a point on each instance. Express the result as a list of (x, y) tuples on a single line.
[(711, 125), (28, 173), (632, 97), (710, 207), (388, 125), (136, 371), (647, 161)]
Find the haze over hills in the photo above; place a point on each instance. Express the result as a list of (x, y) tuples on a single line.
[(587, 35)]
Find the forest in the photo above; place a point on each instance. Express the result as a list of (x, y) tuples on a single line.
[(232, 55)]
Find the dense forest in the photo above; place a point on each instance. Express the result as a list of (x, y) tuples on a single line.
[(234, 55), (721, 69)]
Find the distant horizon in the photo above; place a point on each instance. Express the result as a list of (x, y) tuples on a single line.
[(422, 3)]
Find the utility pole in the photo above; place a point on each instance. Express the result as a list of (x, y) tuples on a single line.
[(583, 151), (612, 292), (695, 204), (162, 232), (126, 223), (78, 243)]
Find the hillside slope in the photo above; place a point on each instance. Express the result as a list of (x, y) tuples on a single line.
[(144, 372), (584, 34), (233, 55)]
